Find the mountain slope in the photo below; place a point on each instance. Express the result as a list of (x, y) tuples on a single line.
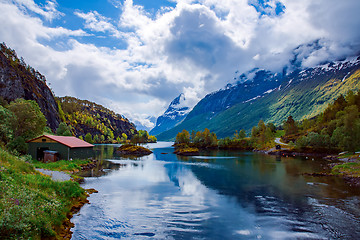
[(18, 80), (176, 112), (88, 117), (302, 94), (249, 88)]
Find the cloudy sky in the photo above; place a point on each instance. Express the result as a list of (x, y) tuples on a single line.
[(135, 56)]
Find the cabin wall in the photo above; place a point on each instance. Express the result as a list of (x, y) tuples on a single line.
[(60, 148), (65, 152), (81, 153)]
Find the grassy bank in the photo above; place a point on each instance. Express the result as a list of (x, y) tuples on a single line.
[(351, 169), (32, 206), (63, 165)]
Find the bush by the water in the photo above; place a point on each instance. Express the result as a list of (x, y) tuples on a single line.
[(185, 150), (129, 149)]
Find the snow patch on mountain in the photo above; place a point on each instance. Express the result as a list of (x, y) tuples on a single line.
[(252, 99), (338, 65)]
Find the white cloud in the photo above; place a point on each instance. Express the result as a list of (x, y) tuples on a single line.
[(133, 16), (140, 117), (49, 11), (98, 23), (193, 48)]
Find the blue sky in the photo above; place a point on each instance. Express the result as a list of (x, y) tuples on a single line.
[(135, 56)]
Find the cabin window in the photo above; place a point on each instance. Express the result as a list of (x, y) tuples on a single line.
[(44, 139)]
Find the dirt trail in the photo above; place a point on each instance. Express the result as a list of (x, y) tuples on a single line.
[(55, 175)]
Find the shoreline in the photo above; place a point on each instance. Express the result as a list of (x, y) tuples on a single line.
[(290, 153), (334, 160), (64, 230)]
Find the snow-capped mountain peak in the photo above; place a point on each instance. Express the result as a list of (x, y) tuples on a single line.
[(175, 114), (177, 108)]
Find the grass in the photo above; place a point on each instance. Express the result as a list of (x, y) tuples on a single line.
[(351, 169), (348, 155), (32, 206), (187, 151), (279, 133), (63, 165)]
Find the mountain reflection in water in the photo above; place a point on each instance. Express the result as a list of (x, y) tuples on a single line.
[(218, 195)]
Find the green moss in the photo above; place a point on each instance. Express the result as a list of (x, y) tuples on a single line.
[(351, 169), (32, 205)]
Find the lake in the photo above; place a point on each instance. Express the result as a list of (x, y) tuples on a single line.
[(217, 195)]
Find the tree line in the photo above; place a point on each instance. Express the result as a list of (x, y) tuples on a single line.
[(336, 129)]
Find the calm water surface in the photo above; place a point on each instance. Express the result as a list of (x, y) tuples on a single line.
[(218, 195)]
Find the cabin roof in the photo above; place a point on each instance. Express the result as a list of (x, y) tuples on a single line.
[(71, 142)]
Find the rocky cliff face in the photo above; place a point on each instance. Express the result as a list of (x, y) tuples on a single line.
[(17, 80), (175, 114)]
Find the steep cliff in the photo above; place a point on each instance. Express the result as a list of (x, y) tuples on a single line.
[(18, 80)]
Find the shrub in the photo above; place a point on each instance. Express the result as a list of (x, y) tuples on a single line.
[(30, 121), (18, 144), (63, 130), (88, 138)]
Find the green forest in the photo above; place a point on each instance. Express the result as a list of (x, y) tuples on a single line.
[(337, 128), (96, 124)]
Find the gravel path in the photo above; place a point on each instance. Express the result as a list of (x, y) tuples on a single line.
[(277, 140), (55, 175)]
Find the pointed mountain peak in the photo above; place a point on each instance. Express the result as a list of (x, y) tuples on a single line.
[(177, 111), (179, 99)]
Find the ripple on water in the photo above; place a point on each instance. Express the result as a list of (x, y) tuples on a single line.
[(212, 157), (147, 234)]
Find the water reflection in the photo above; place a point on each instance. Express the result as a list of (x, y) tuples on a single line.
[(219, 195)]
